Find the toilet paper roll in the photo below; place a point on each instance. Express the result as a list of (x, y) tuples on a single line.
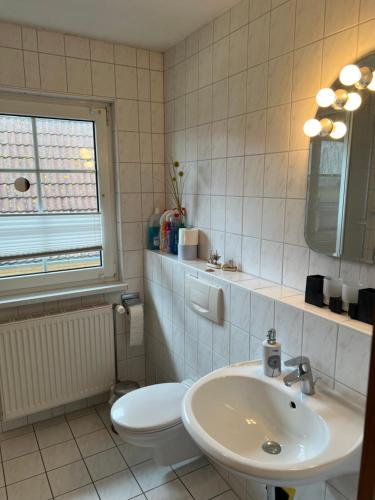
[(188, 236), (136, 324)]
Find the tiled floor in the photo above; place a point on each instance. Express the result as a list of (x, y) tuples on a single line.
[(77, 457)]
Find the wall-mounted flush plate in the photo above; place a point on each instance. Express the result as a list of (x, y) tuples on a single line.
[(205, 299)]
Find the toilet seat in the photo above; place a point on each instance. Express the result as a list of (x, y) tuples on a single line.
[(150, 409)]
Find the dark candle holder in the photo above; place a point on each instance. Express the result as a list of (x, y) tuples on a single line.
[(314, 290), (366, 305)]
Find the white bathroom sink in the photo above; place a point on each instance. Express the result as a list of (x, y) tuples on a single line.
[(233, 411)]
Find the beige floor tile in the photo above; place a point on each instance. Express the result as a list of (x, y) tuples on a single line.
[(134, 454), (228, 495), (98, 441), (204, 483), (68, 478), (35, 488), (18, 446), (60, 454), (86, 425), (2, 480), (120, 486), (170, 491), (80, 413), (105, 463), (86, 493), (23, 467), (20, 431), (3, 494), (150, 475), (60, 419), (189, 465), (54, 434)]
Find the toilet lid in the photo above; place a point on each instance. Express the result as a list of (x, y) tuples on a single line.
[(150, 408)]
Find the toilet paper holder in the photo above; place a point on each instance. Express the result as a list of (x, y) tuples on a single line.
[(130, 299)]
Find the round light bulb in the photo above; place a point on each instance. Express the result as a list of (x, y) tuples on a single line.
[(350, 74), (371, 85), (325, 97), (338, 131), (353, 102), (312, 127)]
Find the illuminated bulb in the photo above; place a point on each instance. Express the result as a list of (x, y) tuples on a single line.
[(371, 85), (353, 102), (312, 127), (350, 74), (338, 131), (325, 97)]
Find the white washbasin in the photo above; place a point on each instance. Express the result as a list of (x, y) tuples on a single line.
[(233, 411)]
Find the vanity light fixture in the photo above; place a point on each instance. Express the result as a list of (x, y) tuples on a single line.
[(325, 127), (361, 78), (350, 74), (338, 131), (371, 85), (314, 127), (325, 97), (354, 100)]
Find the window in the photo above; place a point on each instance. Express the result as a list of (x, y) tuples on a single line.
[(56, 212)]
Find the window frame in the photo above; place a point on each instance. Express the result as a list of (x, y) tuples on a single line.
[(99, 113)]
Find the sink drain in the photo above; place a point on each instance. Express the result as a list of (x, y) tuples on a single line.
[(271, 447)]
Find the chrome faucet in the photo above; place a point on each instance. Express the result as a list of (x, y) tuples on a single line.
[(301, 374)]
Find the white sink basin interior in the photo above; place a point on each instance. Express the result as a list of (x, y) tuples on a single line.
[(233, 411)]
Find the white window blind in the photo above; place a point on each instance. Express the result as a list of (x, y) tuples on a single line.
[(25, 236)]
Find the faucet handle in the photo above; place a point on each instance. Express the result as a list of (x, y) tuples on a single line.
[(298, 361)]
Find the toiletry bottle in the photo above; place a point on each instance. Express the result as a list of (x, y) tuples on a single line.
[(153, 231), (271, 355)]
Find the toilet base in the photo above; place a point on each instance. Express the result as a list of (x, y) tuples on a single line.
[(168, 454)]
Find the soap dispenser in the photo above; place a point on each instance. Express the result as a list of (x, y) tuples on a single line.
[(271, 355)]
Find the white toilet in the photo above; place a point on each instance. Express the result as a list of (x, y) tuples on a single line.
[(150, 417)]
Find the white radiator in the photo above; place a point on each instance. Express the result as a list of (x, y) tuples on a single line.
[(53, 360)]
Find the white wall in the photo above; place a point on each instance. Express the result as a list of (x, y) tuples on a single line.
[(49, 63), (181, 344), (237, 93)]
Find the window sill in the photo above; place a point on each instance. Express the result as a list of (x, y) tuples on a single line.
[(60, 294)]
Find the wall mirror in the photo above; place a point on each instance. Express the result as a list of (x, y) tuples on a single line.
[(340, 203)]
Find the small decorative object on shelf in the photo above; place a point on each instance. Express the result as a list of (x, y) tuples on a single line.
[(335, 304), (213, 260), (314, 290), (366, 305), (229, 266), (176, 178)]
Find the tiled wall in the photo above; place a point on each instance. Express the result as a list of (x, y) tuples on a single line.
[(181, 344), (237, 93), (50, 63), (131, 79)]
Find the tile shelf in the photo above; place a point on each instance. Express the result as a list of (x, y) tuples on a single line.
[(275, 291)]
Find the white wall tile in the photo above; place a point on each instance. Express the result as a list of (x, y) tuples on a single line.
[(239, 345), (51, 42), (273, 219), (76, 46), (52, 72), (271, 260), (240, 307), (11, 67), (252, 217), (288, 324), (262, 315), (319, 332), (295, 266), (78, 76), (103, 79), (353, 350), (238, 50), (10, 35)]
